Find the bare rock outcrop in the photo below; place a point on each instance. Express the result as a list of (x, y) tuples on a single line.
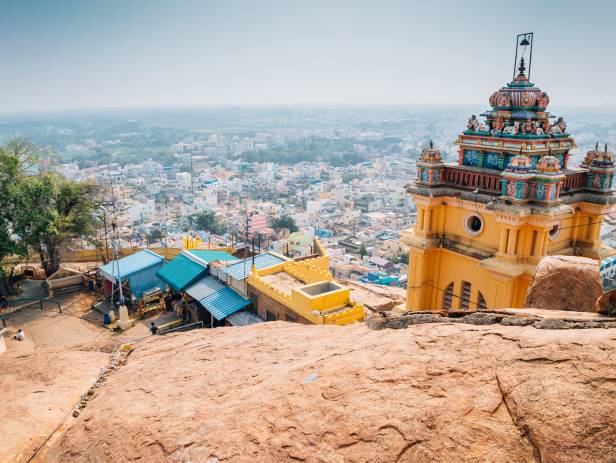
[(278, 392), (565, 283), (606, 304)]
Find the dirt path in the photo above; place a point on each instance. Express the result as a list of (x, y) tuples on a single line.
[(44, 376)]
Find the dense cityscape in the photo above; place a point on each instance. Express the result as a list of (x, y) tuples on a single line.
[(227, 174)]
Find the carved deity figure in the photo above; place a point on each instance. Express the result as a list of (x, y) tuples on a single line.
[(483, 127), (504, 100), (512, 129), (528, 127), (543, 100), (473, 123), (559, 127), (497, 126)]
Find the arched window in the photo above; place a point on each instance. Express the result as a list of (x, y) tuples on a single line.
[(481, 302), (448, 297), (465, 296)]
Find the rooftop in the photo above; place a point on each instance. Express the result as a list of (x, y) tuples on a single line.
[(283, 281), (129, 265), (241, 270)]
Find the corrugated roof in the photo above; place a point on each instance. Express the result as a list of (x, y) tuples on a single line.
[(208, 255), (132, 264), (223, 303), (204, 287), (244, 318), (241, 269), (379, 261), (181, 272)]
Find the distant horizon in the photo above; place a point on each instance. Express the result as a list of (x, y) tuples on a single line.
[(266, 106)]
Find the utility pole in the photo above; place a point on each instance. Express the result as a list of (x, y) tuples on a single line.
[(105, 231), (192, 183), (115, 242)]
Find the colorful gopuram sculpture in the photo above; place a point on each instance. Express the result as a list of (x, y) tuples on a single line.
[(485, 222)]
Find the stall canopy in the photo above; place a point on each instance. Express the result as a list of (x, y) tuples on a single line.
[(139, 269), (223, 303), (204, 287), (244, 318), (182, 272)]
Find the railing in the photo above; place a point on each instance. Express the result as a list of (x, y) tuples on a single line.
[(487, 182), (31, 300), (573, 182), (181, 328), (473, 180)]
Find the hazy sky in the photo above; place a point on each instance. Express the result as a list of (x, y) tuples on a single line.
[(92, 54)]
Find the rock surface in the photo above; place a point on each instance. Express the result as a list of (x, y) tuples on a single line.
[(38, 389), (565, 283), (445, 392), (606, 304)]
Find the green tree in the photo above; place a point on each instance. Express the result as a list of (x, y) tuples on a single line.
[(404, 258), (155, 235), (51, 213), (207, 221), (17, 158), (363, 251), (285, 221)]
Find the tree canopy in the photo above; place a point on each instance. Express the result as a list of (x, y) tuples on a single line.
[(285, 221), (44, 212), (207, 221)]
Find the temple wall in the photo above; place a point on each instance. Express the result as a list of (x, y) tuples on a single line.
[(432, 271)]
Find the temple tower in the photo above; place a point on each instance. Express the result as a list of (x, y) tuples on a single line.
[(485, 222)]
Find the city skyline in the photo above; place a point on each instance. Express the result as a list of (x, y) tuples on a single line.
[(103, 55)]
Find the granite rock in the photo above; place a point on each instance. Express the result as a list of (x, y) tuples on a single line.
[(565, 283), (447, 392)]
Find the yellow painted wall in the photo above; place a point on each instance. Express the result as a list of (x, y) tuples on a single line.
[(303, 303), (433, 271)]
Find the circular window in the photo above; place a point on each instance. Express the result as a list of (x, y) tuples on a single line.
[(554, 231), (473, 224)]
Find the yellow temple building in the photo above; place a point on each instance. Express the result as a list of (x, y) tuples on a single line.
[(485, 222)]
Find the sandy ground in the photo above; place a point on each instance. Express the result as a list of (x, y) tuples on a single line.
[(44, 376)]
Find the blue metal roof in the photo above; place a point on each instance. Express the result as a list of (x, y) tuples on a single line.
[(204, 287), (244, 318), (208, 255), (181, 272), (608, 262), (241, 269), (223, 303), (132, 264)]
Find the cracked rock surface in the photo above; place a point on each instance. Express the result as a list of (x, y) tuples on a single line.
[(436, 392)]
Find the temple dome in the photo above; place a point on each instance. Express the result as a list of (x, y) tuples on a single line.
[(430, 155), (520, 93), (603, 159), (548, 165)]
